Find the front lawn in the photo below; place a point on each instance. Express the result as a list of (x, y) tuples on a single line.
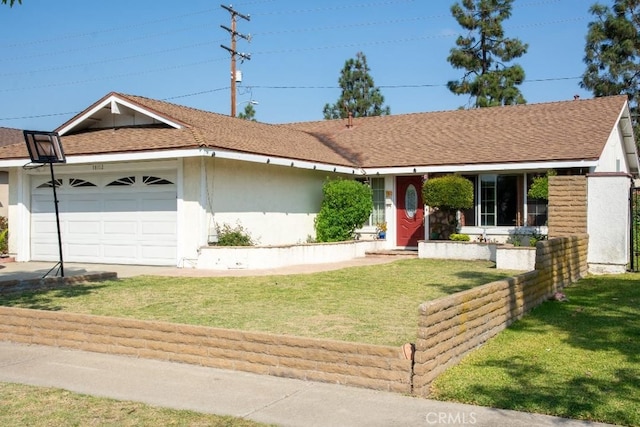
[(24, 405), (375, 304), (577, 359)]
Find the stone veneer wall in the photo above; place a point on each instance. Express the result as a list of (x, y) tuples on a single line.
[(362, 365), (448, 328), (567, 205), (452, 326)]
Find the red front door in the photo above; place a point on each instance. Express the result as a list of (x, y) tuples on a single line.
[(410, 213)]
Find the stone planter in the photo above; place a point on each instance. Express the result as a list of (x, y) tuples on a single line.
[(506, 257), (448, 249), (266, 257)]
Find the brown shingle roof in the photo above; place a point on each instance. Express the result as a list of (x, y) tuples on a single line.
[(200, 129), (570, 130), (10, 136), (220, 131)]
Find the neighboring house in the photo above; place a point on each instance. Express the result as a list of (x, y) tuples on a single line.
[(147, 181), (8, 136)]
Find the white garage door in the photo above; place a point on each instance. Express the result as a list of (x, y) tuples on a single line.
[(119, 219)]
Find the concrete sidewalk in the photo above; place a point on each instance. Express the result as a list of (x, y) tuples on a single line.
[(280, 401)]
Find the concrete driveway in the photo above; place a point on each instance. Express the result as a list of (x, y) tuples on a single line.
[(36, 270)]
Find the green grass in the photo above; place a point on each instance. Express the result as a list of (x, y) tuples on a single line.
[(373, 304), (23, 405), (577, 359)]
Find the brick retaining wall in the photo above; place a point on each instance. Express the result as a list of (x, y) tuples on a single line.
[(451, 327), (363, 365), (448, 328)]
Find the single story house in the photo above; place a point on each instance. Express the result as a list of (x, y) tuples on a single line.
[(147, 181)]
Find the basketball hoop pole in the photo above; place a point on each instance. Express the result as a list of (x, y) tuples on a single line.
[(45, 147), (60, 264)]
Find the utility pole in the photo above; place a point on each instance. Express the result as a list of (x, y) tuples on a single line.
[(232, 50)]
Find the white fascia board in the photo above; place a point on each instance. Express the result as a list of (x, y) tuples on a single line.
[(489, 167), (15, 163), (115, 99), (137, 156), (280, 161), (116, 157), (628, 139), (197, 152)]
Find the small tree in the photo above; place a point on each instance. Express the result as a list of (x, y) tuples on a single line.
[(345, 207), (447, 194), (359, 95)]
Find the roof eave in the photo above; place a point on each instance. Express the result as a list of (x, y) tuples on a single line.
[(487, 167), (197, 152)]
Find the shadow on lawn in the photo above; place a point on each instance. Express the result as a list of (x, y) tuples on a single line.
[(43, 299), (601, 316), (559, 398), (603, 313)]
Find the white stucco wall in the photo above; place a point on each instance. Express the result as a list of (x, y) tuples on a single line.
[(276, 204), (613, 157), (192, 232), (608, 223), (4, 193), (18, 214)]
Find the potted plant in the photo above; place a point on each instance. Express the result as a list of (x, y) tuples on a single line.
[(381, 229)]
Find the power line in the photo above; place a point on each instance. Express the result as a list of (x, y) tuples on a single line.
[(128, 40), (282, 87), (106, 61), (138, 73), (135, 26)]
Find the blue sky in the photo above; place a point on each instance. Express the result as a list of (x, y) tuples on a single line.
[(57, 57)]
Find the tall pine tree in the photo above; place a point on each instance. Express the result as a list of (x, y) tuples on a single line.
[(249, 112), (612, 53), (484, 54), (359, 95)]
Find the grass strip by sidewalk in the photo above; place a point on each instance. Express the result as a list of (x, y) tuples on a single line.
[(577, 359), (375, 304), (23, 405)]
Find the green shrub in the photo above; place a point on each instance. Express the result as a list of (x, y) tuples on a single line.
[(4, 235), (535, 238), (460, 237), (233, 236), (540, 186), (451, 192), (346, 206)]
